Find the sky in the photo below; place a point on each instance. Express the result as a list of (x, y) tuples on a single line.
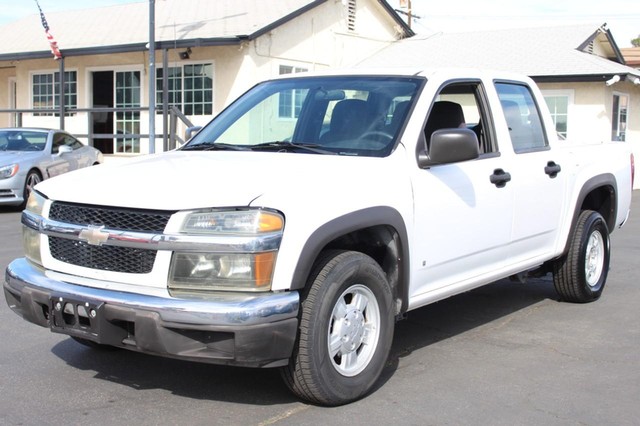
[(622, 16)]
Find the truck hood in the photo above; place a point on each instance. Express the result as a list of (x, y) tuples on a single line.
[(181, 180)]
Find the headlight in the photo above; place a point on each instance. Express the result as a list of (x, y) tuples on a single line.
[(233, 222), (230, 267), (31, 243), (30, 237), (35, 203), (212, 271), (8, 171)]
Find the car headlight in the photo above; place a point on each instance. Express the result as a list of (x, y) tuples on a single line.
[(216, 271), (31, 238), (245, 222), (9, 171), (229, 268)]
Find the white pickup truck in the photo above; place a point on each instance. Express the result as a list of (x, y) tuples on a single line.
[(312, 213)]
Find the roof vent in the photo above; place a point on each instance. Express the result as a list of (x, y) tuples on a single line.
[(351, 15), (589, 47)]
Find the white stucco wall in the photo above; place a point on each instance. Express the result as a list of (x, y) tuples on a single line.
[(590, 115)]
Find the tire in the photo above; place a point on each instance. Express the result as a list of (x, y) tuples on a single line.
[(33, 178), (345, 333), (580, 276)]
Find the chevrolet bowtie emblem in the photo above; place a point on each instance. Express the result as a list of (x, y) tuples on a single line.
[(94, 235)]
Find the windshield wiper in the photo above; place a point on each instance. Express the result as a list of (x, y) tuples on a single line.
[(213, 146), (309, 147)]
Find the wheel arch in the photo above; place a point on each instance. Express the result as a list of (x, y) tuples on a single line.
[(599, 194), (378, 232)]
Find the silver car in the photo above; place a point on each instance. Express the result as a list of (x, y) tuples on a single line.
[(28, 156)]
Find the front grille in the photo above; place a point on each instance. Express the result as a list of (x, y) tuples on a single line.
[(111, 217), (105, 258)]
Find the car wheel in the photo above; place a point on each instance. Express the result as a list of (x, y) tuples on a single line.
[(581, 274), (33, 178), (346, 329)]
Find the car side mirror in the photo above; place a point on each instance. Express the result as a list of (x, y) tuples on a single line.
[(64, 149), (449, 146)]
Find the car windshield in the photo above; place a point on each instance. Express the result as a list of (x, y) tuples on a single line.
[(22, 140), (342, 115)]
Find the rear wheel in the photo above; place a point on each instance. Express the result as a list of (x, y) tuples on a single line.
[(580, 276), (346, 329)]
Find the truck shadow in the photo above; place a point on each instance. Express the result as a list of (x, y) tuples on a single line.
[(496, 303), (423, 327)]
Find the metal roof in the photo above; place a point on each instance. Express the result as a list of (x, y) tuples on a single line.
[(544, 53), (179, 23)]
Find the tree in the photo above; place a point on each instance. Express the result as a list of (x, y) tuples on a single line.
[(636, 41)]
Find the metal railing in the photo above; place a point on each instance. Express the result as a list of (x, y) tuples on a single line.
[(170, 133)]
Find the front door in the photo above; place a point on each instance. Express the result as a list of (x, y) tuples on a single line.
[(116, 89), (102, 122), (463, 210)]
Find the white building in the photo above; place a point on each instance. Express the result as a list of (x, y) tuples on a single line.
[(207, 53)]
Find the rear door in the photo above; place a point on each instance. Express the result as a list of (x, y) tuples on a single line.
[(538, 181)]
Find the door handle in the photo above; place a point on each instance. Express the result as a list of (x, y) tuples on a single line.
[(500, 178), (552, 169)]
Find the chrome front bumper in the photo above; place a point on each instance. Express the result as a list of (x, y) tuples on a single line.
[(248, 329)]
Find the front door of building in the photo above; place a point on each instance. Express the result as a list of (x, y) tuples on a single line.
[(116, 89)]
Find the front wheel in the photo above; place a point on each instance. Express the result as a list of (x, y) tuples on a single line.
[(346, 329), (33, 178), (581, 274)]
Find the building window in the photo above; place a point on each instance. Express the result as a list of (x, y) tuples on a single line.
[(190, 88), (559, 109), (128, 122), (45, 89), (290, 102), (174, 87), (619, 118)]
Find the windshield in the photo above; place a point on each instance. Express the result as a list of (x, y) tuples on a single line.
[(354, 115), (22, 140)]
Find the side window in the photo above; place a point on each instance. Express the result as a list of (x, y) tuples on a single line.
[(461, 105), (619, 118), (72, 142), (58, 141), (522, 116)]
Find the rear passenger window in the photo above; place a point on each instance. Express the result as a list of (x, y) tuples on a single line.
[(522, 116)]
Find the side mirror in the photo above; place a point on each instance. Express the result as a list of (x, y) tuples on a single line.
[(64, 149), (449, 146), (191, 131)]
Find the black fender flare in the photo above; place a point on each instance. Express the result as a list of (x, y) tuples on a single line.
[(600, 181), (351, 222)]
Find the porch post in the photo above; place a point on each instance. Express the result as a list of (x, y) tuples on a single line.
[(61, 97), (152, 77), (165, 98)]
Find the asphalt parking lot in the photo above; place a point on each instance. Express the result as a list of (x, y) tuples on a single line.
[(505, 354)]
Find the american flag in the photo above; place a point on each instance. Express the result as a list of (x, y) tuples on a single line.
[(52, 42)]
